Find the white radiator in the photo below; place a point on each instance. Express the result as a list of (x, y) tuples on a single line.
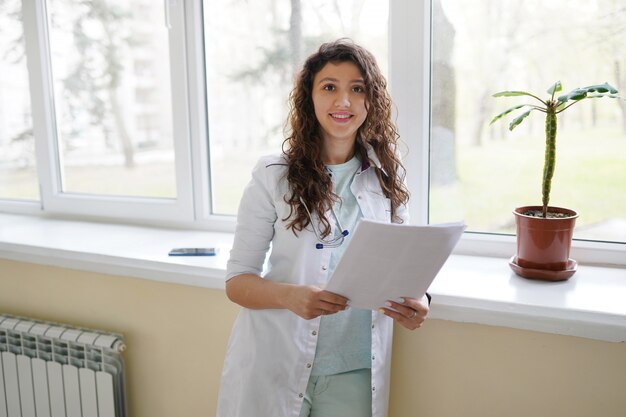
[(54, 370)]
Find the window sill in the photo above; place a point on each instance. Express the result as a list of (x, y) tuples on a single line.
[(469, 289), (116, 249), (484, 290)]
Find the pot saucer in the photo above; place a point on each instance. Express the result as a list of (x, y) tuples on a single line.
[(544, 274)]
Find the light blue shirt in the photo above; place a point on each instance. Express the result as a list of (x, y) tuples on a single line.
[(345, 338)]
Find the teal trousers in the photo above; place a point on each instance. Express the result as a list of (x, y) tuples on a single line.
[(342, 395)]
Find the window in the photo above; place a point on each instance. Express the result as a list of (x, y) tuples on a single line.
[(114, 129), (250, 73), (481, 172), (106, 132), (156, 111)]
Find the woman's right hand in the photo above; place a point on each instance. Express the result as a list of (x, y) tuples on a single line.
[(309, 301)]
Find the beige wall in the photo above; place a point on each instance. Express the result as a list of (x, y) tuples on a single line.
[(176, 337)]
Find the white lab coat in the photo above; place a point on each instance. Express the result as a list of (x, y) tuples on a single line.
[(270, 352)]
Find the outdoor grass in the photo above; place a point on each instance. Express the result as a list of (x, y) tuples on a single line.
[(146, 180), (493, 179), (19, 184)]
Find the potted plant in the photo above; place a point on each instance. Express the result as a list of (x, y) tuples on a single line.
[(544, 233)]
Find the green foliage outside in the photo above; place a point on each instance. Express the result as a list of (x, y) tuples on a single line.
[(552, 107), (512, 166), (514, 171)]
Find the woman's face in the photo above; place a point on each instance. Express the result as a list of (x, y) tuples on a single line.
[(339, 101)]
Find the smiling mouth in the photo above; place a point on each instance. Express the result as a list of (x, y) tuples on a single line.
[(341, 117)]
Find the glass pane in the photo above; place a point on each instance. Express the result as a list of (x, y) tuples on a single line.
[(481, 172), (110, 63), (18, 173), (253, 50)]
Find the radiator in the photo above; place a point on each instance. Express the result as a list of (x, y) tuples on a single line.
[(54, 370)]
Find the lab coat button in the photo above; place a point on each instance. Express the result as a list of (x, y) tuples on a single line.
[(314, 333), (324, 268), (373, 357), (373, 388), (301, 395), (308, 365)]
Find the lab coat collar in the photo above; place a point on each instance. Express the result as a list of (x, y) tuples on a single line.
[(372, 158)]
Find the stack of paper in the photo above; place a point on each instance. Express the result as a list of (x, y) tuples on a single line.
[(385, 261)]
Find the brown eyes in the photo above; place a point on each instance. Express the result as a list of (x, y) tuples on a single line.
[(355, 89)]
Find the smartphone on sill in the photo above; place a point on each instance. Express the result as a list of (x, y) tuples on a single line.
[(193, 252)]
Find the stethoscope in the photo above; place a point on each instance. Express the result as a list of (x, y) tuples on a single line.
[(334, 242)]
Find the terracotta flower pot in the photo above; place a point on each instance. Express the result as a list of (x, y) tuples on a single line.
[(543, 245)]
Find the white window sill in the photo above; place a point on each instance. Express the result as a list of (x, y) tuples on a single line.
[(468, 289), (133, 251)]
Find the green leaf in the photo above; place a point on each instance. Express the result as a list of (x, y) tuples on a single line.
[(512, 94), (555, 87), (518, 93), (577, 94), (507, 111), (581, 93), (601, 88), (519, 119)]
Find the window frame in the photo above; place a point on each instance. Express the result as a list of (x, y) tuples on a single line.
[(409, 84), (53, 200), (410, 79), (410, 72)]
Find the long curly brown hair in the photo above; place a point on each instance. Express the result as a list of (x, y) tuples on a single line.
[(306, 172)]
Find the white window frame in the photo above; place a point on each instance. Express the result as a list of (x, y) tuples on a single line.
[(52, 198), (409, 81), (200, 140), (409, 85), (410, 58)]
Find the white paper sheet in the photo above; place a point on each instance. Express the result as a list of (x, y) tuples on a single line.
[(385, 261)]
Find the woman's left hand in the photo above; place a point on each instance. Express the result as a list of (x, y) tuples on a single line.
[(406, 311)]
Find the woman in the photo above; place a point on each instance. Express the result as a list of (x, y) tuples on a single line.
[(296, 349)]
